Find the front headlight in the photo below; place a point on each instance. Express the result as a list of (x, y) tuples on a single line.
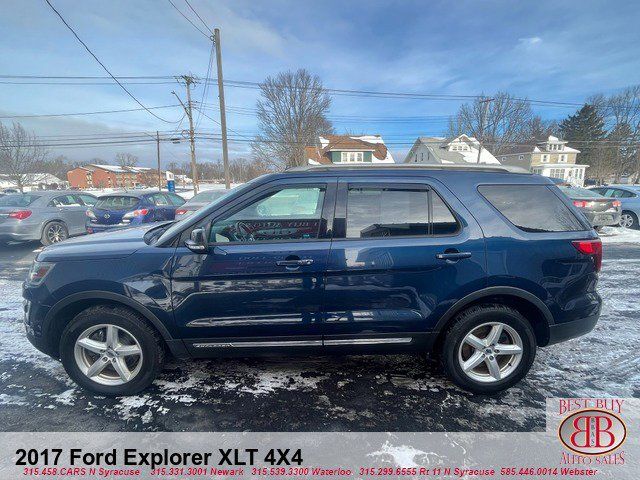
[(39, 270)]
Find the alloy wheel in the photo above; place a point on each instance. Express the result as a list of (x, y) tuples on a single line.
[(56, 233), (490, 352), (108, 354), (626, 220)]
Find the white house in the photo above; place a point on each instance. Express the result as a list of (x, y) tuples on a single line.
[(459, 150)]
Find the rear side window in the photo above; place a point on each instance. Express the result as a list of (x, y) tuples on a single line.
[(532, 208), (117, 202), (397, 212)]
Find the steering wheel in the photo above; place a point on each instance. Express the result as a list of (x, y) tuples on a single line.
[(243, 231)]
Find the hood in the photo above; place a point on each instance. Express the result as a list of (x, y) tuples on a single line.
[(116, 244)]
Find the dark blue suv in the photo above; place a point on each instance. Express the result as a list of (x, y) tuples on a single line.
[(121, 210), (479, 266)]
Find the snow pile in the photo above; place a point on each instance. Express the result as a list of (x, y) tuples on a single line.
[(619, 235)]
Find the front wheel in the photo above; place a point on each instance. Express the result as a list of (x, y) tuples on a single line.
[(111, 351), (489, 348)]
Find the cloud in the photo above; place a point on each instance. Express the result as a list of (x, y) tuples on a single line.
[(529, 41)]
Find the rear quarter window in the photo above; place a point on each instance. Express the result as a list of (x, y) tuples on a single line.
[(531, 208)]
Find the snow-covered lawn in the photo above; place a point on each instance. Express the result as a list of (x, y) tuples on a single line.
[(619, 235)]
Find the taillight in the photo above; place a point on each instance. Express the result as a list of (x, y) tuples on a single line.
[(20, 214), (592, 248), (580, 203), (90, 214), (617, 203), (181, 211), (136, 213)]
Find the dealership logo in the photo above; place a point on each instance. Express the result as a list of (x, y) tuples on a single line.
[(592, 432)]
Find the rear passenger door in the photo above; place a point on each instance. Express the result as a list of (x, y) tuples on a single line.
[(70, 208), (403, 252)]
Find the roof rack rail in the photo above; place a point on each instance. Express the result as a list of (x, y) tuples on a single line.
[(401, 166)]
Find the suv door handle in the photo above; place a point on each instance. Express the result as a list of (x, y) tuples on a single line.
[(294, 263), (452, 255)]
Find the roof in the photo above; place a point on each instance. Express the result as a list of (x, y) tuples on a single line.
[(319, 154), (117, 168)]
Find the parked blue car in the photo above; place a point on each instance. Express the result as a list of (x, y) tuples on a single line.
[(130, 209), (629, 196), (328, 260)]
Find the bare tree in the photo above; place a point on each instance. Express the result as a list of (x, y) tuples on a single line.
[(291, 115), (624, 111), (505, 124), (21, 156), (126, 159)]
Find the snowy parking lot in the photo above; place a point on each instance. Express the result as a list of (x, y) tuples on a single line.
[(363, 393)]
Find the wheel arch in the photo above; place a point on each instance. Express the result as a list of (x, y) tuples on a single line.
[(65, 310), (50, 220), (527, 304)]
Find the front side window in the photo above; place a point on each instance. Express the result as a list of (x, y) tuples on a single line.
[(88, 200), (286, 214), (396, 211), (160, 200), (65, 201), (531, 208)]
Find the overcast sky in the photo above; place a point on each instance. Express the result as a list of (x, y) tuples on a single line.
[(543, 49)]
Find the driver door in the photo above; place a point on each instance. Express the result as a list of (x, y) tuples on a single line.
[(260, 283)]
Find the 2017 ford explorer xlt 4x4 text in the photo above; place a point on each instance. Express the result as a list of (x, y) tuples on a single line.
[(329, 260)]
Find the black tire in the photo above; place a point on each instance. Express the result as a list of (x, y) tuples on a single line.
[(634, 220), (151, 344), (61, 229), (464, 323)]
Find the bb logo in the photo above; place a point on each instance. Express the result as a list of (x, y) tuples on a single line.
[(592, 432)]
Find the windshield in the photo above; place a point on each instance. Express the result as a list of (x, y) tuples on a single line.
[(20, 200), (117, 202), (577, 192)]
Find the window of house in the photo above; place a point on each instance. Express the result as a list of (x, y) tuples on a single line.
[(287, 214), (514, 202), (545, 158), (351, 157), (396, 211), (562, 158), (521, 157)]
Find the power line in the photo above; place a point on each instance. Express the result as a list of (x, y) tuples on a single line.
[(196, 13), (42, 115), (188, 19), (102, 64)]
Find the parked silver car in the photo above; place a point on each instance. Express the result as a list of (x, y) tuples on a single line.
[(48, 216), (199, 201)]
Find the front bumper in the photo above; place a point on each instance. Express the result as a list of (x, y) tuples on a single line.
[(34, 315)]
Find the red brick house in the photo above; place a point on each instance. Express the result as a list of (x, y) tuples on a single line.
[(110, 176)]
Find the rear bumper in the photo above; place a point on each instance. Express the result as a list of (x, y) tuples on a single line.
[(19, 231), (600, 219), (568, 330), (97, 228)]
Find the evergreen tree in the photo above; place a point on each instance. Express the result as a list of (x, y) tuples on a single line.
[(586, 129)]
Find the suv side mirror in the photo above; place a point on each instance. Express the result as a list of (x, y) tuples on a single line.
[(197, 242)]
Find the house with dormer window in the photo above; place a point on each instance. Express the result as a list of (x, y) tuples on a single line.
[(552, 157), (348, 149), (459, 150)]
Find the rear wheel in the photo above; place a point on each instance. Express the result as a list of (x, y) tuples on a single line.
[(489, 348), (54, 232), (111, 351), (629, 220)]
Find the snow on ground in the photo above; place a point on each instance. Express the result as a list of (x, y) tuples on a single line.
[(364, 393), (619, 235)]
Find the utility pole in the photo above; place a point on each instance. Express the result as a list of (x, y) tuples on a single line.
[(159, 169), (223, 115), (483, 120), (188, 80)]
